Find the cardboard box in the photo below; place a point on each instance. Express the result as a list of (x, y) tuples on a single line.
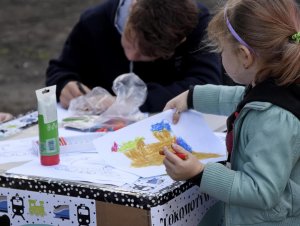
[(78, 204)]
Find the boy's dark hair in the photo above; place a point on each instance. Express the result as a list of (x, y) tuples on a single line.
[(159, 26)]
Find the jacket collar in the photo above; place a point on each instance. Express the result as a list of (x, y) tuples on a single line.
[(286, 97), (121, 15)]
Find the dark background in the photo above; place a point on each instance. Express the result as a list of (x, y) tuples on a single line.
[(31, 33)]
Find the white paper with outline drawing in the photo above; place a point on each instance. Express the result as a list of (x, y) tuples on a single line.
[(77, 167), (17, 150)]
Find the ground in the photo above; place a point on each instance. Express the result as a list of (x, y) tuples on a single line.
[(32, 32)]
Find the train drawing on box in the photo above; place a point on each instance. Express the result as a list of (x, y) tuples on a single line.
[(83, 215), (36, 209), (62, 212), (30, 208), (17, 206)]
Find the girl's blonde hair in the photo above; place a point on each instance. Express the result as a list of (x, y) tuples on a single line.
[(267, 26)]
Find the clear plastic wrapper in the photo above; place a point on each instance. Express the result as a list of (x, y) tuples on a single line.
[(93, 103), (100, 111)]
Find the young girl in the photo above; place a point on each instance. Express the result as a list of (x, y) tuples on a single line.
[(260, 45)]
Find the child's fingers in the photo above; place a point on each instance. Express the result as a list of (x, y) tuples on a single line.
[(169, 165), (173, 155), (178, 149), (168, 106), (170, 156), (176, 116)]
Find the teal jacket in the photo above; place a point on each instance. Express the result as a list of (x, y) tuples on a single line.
[(262, 188)]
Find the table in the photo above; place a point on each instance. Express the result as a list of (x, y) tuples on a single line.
[(44, 201)]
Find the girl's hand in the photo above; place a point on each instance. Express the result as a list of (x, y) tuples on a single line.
[(179, 103), (179, 169)]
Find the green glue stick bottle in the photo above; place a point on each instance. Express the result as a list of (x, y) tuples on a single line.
[(48, 126)]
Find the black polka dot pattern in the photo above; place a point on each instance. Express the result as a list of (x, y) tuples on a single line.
[(106, 193)]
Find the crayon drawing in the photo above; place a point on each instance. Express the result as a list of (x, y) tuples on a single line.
[(136, 147), (143, 155)]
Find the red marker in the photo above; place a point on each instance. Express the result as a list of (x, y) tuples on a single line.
[(180, 155)]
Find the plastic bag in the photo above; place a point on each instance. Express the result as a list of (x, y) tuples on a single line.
[(93, 103), (100, 111), (131, 93)]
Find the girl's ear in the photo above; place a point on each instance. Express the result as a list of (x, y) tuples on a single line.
[(247, 57)]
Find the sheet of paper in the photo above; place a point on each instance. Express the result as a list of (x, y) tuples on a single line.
[(26, 149), (76, 143), (77, 167), (151, 185), (136, 147), (17, 150), (62, 113), (15, 126)]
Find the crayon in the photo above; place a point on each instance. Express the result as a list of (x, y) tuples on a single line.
[(180, 155)]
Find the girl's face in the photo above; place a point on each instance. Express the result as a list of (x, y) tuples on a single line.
[(235, 63)]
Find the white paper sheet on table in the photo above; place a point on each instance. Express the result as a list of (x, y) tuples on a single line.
[(75, 163), (20, 150), (17, 150), (62, 113), (191, 127), (78, 167), (26, 149)]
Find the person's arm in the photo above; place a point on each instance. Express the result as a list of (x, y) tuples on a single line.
[(258, 180), (198, 66), (78, 60), (210, 99), (217, 100), (67, 67)]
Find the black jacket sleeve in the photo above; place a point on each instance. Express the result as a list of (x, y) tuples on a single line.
[(78, 60)]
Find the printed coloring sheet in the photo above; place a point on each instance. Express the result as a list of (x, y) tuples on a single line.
[(78, 167)]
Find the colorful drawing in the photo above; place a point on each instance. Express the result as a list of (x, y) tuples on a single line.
[(143, 155)]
